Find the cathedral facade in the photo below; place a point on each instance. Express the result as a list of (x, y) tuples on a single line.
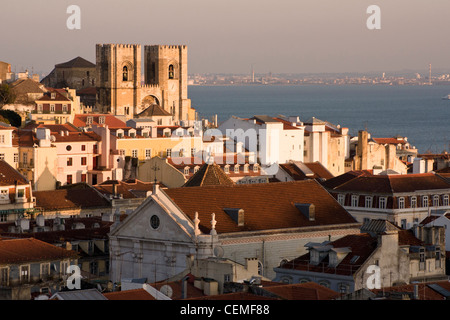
[(123, 90)]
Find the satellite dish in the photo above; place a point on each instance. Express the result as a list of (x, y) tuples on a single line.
[(218, 252), (166, 290)]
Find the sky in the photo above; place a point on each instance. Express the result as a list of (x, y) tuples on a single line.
[(282, 36)]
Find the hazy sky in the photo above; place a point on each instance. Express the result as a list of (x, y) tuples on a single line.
[(279, 36)]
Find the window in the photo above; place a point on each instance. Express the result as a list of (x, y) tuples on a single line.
[(255, 167), (3, 217), (226, 169), (148, 154), (45, 269), (343, 288), (125, 73), (122, 152), (69, 179), (382, 203), (83, 161), (422, 259), (64, 108), (236, 168), (154, 222), (24, 273), (355, 199), (368, 203), (20, 193), (89, 120), (83, 177), (341, 199), (246, 168), (403, 224), (196, 169), (193, 152), (25, 158), (226, 278), (69, 162), (438, 257), (435, 201), (64, 266), (324, 283), (4, 276), (169, 153), (16, 157), (260, 268), (413, 202), (425, 201), (40, 108), (186, 170), (401, 203), (69, 147), (4, 194), (83, 147), (52, 108), (445, 201), (101, 119), (171, 72), (134, 153), (2, 156)]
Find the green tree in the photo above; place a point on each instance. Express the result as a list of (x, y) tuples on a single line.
[(7, 95), (14, 118)]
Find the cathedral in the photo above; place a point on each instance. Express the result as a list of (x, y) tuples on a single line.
[(123, 91)]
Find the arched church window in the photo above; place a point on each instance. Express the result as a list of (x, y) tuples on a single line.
[(171, 73), (125, 73)]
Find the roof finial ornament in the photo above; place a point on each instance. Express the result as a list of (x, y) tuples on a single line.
[(213, 224), (196, 223)]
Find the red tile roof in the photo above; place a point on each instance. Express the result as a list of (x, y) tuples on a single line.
[(58, 97), (69, 199), (361, 245), (389, 141), (426, 291), (209, 175), (128, 189), (9, 176), (389, 184), (303, 291), (136, 294), (176, 286), (319, 171), (266, 205), (14, 251), (111, 121)]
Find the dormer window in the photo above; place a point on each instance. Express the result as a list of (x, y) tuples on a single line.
[(101, 119), (186, 170), (226, 169), (89, 120), (255, 167), (236, 168), (246, 168), (53, 95)]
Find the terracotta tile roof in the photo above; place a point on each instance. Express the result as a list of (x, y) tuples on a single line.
[(9, 176), (303, 291), (152, 111), (136, 294), (77, 62), (76, 137), (176, 286), (388, 184), (407, 238), (266, 205), (14, 251), (128, 189), (26, 138), (295, 171), (58, 97), (69, 199), (236, 296), (361, 245), (209, 175), (80, 120), (389, 141), (343, 178), (426, 291), (87, 91), (286, 124), (51, 127)]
